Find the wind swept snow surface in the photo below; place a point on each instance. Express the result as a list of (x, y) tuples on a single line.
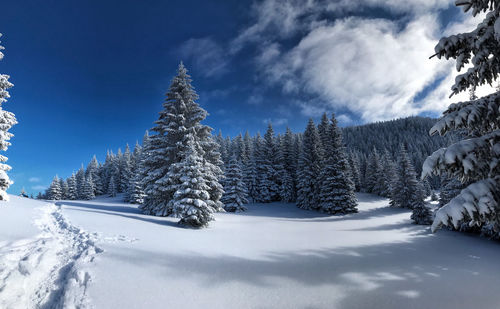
[(272, 256)]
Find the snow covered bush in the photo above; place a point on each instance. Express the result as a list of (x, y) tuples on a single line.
[(475, 159), (7, 120)]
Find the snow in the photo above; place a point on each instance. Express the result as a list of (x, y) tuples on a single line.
[(105, 254)]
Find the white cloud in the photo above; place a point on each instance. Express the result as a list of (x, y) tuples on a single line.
[(375, 68), (39, 188), (414, 6), (344, 119), (207, 56), (255, 99), (275, 121), (34, 179)]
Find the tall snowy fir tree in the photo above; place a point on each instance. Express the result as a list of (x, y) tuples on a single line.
[(64, 189), (125, 166), (54, 191), (374, 173), (93, 170), (180, 117), (309, 168), (407, 191), (336, 189), (235, 191), (7, 120), (88, 188), (80, 183), (476, 159), (289, 159), (72, 190), (261, 192), (249, 169), (386, 174), (355, 171), (112, 190), (267, 183)]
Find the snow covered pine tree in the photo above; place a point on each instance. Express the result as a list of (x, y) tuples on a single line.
[(475, 159), (309, 168), (178, 123), (235, 192), (7, 120), (336, 195)]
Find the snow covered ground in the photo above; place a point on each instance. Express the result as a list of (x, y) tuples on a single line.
[(105, 254)]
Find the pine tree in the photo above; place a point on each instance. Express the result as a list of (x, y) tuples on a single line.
[(187, 177), (385, 174), (54, 191), (475, 159), (407, 191), (64, 189), (336, 193), (249, 169), (106, 170), (72, 190), (309, 168), (373, 173), (7, 120), (355, 171), (421, 214), (112, 187), (263, 167), (39, 196), (289, 159), (93, 169), (80, 183), (125, 171), (235, 192), (136, 192), (180, 117), (88, 188), (268, 185)]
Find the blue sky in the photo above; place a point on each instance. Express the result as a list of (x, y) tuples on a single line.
[(91, 75)]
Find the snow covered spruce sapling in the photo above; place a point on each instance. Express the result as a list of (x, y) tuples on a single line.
[(190, 201), (7, 120), (235, 191), (477, 158)]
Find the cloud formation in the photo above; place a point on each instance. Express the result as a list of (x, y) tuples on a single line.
[(206, 54), (377, 68)]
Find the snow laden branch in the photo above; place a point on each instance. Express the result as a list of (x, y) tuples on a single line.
[(480, 116), (479, 47), (477, 203), (468, 159)]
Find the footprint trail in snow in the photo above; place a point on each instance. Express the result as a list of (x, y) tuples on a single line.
[(48, 271)]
